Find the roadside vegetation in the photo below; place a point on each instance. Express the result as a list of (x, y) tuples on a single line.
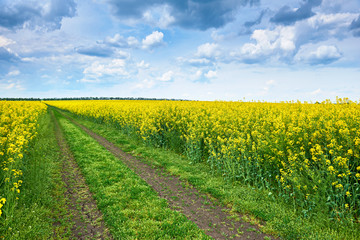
[(282, 216), (131, 208), (58, 181), (40, 210)]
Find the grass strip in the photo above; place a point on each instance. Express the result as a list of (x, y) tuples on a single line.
[(281, 217), (131, 208), (41, 211)]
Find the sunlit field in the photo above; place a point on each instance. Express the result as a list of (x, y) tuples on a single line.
[(18, 125), (306, 153)]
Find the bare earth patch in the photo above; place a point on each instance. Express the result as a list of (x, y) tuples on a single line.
[(87, 219), (204, 211)]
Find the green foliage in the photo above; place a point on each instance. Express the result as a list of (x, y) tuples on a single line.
[(131, 208), (281, 217), (42, 202)]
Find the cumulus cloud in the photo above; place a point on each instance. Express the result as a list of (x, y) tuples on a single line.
[(46, 14), (210, 74), (284, 42), (166, 77), (99, 71), (268, 43), (121, 42), (208, 50), (159, 16), (190, 14), (155, 39), (288, 16), (322, 27), (322, 55), (142, 64)]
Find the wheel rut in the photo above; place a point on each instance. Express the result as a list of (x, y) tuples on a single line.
[(87, 220), (206, 212)]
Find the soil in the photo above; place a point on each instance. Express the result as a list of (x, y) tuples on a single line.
[(205, 211), (87, 219)]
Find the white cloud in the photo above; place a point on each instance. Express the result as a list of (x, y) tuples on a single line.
[(11, 85), (316, 92), (199, 61), (122, 54), (268, 42), (146, 83), (5, 41), (166, 77), (13, 73), (268, 86), (7, 86), (324, 54), (122, 42), (132, 42), (208, 50), (284, 42), (142, 64), (270, 82), (198, 74), (155, 39), (210, 74), (159, 16), (98, 70), (322, 27), (336, 20)]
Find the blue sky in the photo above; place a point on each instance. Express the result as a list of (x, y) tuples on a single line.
[(306, 50)]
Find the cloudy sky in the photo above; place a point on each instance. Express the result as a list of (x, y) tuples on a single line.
[(270, 50)]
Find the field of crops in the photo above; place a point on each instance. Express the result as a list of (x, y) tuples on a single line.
[(307, 153), (18, 125)]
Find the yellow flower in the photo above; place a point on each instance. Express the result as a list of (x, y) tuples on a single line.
[(331, 169), (339, 186)]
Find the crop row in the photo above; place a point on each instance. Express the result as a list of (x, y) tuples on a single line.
[(18, 125), (306, 153)]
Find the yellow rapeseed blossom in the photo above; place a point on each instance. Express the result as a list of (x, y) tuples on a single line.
[(18, 124), (290, 146)]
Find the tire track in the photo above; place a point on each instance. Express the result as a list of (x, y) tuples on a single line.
[(87, 219), (204, 211)]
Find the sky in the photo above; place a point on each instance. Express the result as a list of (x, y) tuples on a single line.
[(262, 50)]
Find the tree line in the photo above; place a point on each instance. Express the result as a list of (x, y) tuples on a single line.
[(88, 98)]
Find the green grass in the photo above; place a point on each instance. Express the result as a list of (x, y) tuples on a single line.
[(281, 217), (40, 212), (131, 208)]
